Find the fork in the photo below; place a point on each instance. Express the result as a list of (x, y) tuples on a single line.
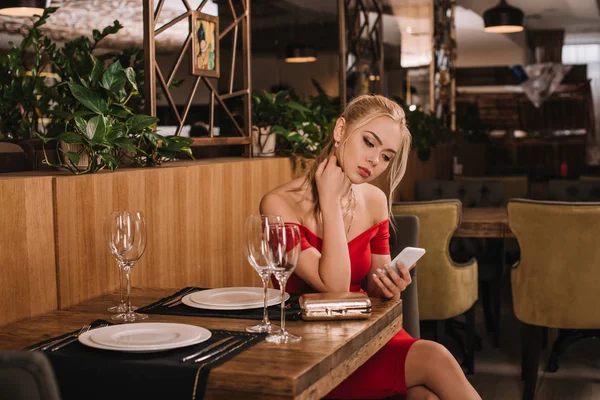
[(57, 341), (63, 344)]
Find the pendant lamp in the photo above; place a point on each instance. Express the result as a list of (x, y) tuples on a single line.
[(298, 53), (23, 8), (503, 19)]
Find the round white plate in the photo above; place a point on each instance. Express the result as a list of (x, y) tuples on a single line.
[(144, 337), (234, 297), (189, 302)]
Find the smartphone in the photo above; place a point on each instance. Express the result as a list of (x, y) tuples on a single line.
[(408, 257)]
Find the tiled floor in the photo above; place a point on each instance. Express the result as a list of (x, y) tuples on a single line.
[(497, 371)]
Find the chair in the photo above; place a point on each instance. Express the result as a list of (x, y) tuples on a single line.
[(514, 186), (446, 289), (487, 251), (13, 158), (407, 234), (26, 376), (556, 283), (574, 190)]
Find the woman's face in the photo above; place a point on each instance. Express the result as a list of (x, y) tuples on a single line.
[(370, 149)]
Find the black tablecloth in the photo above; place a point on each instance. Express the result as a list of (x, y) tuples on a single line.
[(292, 313), (87, 373)]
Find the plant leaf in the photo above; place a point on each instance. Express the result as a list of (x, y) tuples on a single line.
[(89, 98), (140, 122), (80, 124), (73, 157), (110, 161), (70, 137), (120, 111), (130, 74), (114, 78), (96, 128), (125, 143)]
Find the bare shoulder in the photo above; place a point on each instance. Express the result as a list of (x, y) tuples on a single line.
[(284, 200), (376, 202)]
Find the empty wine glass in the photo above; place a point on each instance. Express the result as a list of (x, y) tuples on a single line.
[(122, 306), (283, 252), (256, 231), (127, 241)]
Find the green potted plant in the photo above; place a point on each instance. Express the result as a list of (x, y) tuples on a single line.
[(23, 96), (94, 107)]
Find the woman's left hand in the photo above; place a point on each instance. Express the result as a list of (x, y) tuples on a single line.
[(390, 282)]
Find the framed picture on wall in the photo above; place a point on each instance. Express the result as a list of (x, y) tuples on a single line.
[(205, 44)]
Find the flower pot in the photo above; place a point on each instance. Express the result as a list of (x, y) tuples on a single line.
[(84, 158), (300, 165), (263, 141)]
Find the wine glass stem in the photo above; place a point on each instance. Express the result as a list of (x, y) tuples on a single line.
[(282, 288), (127, 271), (265, 282), (121, 283)]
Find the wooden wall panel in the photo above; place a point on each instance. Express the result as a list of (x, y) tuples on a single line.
[(195, 214), (27, 258)]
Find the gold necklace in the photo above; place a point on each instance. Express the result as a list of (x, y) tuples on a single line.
[(350, 208)]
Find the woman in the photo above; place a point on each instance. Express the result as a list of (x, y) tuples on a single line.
[(333, 203)]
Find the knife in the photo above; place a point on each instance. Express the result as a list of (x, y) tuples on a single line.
[(212, 346), (237, 342)]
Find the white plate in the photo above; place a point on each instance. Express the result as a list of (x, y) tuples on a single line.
[(144, 337), (189, 302), (234, 297)]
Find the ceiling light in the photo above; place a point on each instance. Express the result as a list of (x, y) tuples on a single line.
[(298, 53), (503, 19), (23, 8)]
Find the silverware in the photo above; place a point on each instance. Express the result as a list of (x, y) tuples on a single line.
[(212, 346), (220, 350), (57, 341), (178, 298), (63, 344)]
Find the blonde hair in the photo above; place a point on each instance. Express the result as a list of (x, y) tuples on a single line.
[(358, 113)]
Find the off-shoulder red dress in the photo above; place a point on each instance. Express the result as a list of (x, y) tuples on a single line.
[(383, 374)]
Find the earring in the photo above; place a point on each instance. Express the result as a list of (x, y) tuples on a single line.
[(337, 143)]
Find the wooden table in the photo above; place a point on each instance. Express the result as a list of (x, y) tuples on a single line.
[(489, 222), (327, 354)]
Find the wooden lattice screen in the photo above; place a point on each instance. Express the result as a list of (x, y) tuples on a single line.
[(366, 53), (153, 71)]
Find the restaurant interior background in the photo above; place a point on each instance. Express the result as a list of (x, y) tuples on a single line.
[(479, 81)]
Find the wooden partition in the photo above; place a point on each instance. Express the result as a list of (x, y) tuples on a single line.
[(54, 253), (195, 215), (27, 258)]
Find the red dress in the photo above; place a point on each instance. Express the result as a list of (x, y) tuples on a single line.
[(383, 374)]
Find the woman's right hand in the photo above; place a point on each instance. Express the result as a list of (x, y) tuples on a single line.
[(332, 183)]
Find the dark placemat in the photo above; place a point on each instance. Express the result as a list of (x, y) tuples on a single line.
[(83, 372), (292, 312)]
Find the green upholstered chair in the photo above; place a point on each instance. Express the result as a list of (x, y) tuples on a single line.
[(556, 283), (489, 252), (446, 289)]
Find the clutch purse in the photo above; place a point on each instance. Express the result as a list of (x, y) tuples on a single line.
[(334, 306)]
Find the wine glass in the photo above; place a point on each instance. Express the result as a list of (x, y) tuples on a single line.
[(127, 241), (256, 231), (122, 306), (283, 252)]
